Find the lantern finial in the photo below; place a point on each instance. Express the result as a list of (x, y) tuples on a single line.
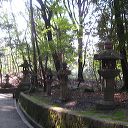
[(108, 44)]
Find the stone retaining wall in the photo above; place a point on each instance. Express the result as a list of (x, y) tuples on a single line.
[(56, 117)]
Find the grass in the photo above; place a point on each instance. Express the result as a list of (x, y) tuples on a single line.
[(42, 100), (119, 115)]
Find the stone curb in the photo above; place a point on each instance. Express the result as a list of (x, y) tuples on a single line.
[(28, 120), (22, 116)]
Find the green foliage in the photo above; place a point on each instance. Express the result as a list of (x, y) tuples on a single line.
[(61, 34), (62, 23), (103, 25), (57, 8)]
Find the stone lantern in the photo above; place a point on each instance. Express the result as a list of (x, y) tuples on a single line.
[(7, 84), (63, 78), (25, 67), (26, 75), (108, 71)]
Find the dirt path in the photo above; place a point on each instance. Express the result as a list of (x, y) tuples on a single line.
[(9, 117)]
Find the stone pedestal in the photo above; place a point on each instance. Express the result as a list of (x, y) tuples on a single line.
[(64, 94), (105, 105), (109, 76)]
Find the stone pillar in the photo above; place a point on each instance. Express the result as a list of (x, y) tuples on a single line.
[(109, 89), (49, 81), (63, 77)]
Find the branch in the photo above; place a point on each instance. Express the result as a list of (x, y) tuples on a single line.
[(44, 15), (69, 11)]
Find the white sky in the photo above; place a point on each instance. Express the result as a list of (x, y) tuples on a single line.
[(18, 6)]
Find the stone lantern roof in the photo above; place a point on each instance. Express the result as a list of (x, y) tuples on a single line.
[(108, 53), (25, 64)]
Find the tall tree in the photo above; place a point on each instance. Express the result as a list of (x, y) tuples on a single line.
[(120, 28), (78, 11), (33, 37), (47, 15), (38, 49)]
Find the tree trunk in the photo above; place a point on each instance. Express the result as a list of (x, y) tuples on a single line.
[(124, 65), (34, 49), (80, 43), (40, 57), (80, 58), (121, 39), (54, 54)]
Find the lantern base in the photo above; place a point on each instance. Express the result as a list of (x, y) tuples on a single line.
[(105, 105)]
